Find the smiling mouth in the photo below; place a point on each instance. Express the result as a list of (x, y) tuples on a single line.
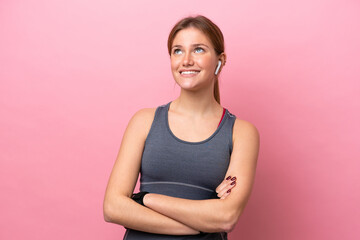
[(189, 72)]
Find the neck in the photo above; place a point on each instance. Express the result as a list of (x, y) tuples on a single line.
[(196, 103)]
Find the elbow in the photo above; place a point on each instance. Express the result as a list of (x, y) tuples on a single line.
[(114, 209), (107, 217), (225, 222), (230, 220), (228, 226), (107, 212)]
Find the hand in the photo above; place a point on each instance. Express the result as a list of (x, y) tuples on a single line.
[(224, 189)]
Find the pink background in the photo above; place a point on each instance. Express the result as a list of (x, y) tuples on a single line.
[(73, 72)]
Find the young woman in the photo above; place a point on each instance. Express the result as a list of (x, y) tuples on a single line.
[(191, 152)]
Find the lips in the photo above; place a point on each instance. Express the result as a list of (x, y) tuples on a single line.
[(189, 72)]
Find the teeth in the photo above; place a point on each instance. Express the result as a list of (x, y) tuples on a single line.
[(189, 72)]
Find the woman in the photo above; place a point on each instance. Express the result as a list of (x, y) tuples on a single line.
[(191, 152)]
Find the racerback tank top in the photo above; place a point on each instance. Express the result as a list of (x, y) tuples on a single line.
[(178, 168)]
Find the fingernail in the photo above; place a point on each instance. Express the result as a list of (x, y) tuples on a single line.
[(228, 191), (228, 177), (233, 179), (233, 183)]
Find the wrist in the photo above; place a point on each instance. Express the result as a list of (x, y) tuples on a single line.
[(146, 199), (139, 197)]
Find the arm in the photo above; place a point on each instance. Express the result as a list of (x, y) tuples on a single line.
[(216, 215), (118, 207)]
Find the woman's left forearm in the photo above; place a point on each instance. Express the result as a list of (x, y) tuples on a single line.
[(211, 215)]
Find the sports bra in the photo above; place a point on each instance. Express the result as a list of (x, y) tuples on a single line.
[(178, 168)]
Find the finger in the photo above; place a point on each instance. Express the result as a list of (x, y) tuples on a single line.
[(223, 184), (227, 189), (227, 193)]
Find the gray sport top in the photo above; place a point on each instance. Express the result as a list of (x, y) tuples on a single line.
[(177, 168)]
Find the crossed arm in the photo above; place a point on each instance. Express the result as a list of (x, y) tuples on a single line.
[(176, 216)]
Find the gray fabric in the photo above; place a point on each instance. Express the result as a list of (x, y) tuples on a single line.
[(177, 168)]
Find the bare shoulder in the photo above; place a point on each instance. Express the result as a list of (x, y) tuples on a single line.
[(142, 120), (144, 115), (245, 131)]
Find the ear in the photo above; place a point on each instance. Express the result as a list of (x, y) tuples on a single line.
[(222, 58)]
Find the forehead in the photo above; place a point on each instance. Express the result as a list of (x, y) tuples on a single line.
[(189, 36)]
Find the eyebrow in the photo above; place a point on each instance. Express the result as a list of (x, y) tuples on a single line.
[(194, 45)]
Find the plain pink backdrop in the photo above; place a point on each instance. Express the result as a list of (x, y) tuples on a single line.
[(73, 72)]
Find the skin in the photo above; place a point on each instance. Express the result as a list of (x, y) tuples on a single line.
[(192, 50), (193, 117)]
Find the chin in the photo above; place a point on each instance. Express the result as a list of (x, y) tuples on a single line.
[(189, 86), (186, 83)]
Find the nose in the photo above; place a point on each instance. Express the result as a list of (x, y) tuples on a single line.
[(188, 60)]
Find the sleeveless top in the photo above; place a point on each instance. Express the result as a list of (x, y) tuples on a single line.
[(178, 168)]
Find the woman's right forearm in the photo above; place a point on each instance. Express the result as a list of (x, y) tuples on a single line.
[(126, 212)]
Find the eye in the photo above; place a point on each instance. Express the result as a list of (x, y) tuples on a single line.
[(199, 50), (177, 51)]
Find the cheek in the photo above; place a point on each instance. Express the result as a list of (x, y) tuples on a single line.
[(207, 63), (174, 64)]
